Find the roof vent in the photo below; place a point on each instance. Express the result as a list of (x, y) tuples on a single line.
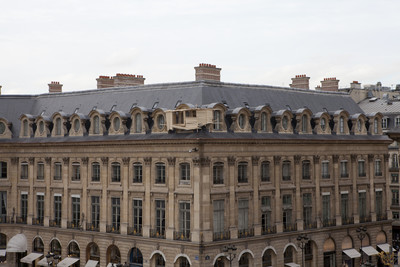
[(373, 99)]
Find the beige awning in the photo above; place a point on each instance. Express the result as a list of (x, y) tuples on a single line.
[(17, 243), (370, 251), (43, 262), (91, 263), (31, 257), (352, 253), (292, 264), (67, 262), (385, 247)]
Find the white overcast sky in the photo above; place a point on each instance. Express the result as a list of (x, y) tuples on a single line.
[(253, 41)]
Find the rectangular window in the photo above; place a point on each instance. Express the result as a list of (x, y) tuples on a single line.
[(57, 210), (115, 212), (57, 171), (137, 172), (384, 123), (378, 203), (115, 172), (397, 121), (362, 204), (326, 209), (344, 203), (218, 216), (24, 170), (160, 173), (76, 171), (184, 219), (217, 120), (243, 214), (3, 206), (95, 209), (40, 209), (266, 218), (265, 172), (361, 168), (76, 211), (395, 178), (160, 217), (242, 172), (306, 170), (344, 173), (24, 207), (396, 215), (307, 210), (325, 170), (218, 173), (287, 212), (137, 216), (378, 167), (286, 171), (95, 172), (395, 197), (184, 173), (40, 171), (3, 170)]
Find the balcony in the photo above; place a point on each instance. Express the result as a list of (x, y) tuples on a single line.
[(268, 230), (326, 176), (366, 218), (73, 225), (243, 233), (21, 220), (381, 217), (378, 174), (75, 178), (310, 225), (5, 219), (135, 230), (329, 222), (113, 228), (157, 233), (348, 220), (55, 223), (394, 169), (225, 235), (362, 174), (94, 227), (182, 235), (37, 221), (289, 227), (344, 175)]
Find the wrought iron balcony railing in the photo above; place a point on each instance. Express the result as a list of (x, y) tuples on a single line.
[(268, 230), (135, 230), (21, 219), (55, 223), (94, 227), (113, 228), (224, 235), (157, 233), (37, 221), (182, 235), (289, 227), (329, 222), (348, 220), (243, 233), (310, 225), (73, 225)]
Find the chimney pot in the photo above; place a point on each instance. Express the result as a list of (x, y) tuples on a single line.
[(55, 87)]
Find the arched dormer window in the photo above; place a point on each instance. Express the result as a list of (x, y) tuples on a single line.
[(5, 131), (375, 126), (139, 120), (160, 125), (78, 122), (25, 128), (138, 123), (241, 120), (341, 124), (262, 116), (217, 120), (118, 121), (27, 122), (263, 121), (96, 124), (59, 120), (358, 124), (340, 119), (283, 121), (58, 126), (303, 121), (218, 117), (321, 120), (43, 126)]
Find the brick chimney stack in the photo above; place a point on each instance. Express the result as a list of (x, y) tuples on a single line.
[(355, 85), (300, 81), (0, 89), (55, 87), (119, 80), (329, 84), (207, 72)]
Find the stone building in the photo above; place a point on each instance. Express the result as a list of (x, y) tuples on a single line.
[(171, 174)]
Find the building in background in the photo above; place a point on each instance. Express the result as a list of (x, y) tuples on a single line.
[(180, 174)]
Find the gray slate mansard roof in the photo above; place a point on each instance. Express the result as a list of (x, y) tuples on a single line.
[(197, 93)]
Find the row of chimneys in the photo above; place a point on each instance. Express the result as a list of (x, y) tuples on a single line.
[(328, 84)]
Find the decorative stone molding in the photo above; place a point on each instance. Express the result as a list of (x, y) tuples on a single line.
[(335, 158), (31, 161), (66, 161), (205, 162), (297, 159), (85, 160), (231, 161), (386, 157), (255, 160), (196, 162), (353, 158), (104, 160), (125, 161), (370, 158), (14, 160), (147, 161), (277, 160), (171, 161), (316, 159), (48, 160)]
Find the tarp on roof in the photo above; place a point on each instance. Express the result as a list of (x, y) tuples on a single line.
[(17, 243), (31, 257), (352, 253)]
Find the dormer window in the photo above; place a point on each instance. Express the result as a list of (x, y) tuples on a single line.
[(217, 120), (138, 123), (376, 126), (323, 124), (41, 127), (304, 124), (385, 123), (285, 122), (58, 126), (2, 127), (160, 122), (116, 123), (96, 125), (359, 125), (25, 127), (264, 122), (242, 121), (77, 125), (341, 125)]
